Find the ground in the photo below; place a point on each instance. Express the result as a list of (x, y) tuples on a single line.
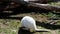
[(12, 24)]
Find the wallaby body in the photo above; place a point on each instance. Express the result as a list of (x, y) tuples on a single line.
[(29, 23)]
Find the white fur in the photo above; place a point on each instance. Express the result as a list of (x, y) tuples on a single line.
[(28, 22)]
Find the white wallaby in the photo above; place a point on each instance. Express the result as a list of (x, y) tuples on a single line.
[(29, 23)]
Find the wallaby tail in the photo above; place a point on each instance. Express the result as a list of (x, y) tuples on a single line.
[(45, 30)]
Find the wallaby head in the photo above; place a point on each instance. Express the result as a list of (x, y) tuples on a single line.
[(29, 23)]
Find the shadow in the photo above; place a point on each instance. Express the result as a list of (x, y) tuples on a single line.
[(47, 25), (56, 13), (19, 9), (22, 31), (3, 5), (17, 18)]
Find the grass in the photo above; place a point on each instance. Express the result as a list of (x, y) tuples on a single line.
[(55, 3), (59, 31), (11, 26)]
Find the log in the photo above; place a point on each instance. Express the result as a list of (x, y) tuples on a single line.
[(45, 6), (38, 5)]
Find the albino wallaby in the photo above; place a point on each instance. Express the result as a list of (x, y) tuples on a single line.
[(29, 23)]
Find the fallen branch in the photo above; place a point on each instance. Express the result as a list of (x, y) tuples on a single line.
[(38, 5), (45, 6)]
